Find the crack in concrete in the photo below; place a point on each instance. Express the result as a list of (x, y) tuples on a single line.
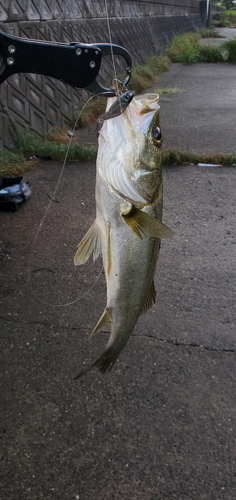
[(22, 322), (41, 323), (184, 344), (160, 339)]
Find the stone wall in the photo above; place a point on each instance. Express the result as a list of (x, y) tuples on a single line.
[(143, 27)]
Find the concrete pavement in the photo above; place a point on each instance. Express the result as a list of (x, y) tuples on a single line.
[(201, 118)]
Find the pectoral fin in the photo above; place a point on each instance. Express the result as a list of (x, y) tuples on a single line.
[(90, 243), (141, 222)]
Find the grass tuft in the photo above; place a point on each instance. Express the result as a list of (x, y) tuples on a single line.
[(230, 47), (184, 48), (91, 112), (225, 19), (56, 134), (210, 54), (142, 77), (209, 33), (30, 148), (158, 64), (176, 157), (187, 50), (168, 90), (13, 164)]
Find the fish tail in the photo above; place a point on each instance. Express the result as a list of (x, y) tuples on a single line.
[(105, 363)]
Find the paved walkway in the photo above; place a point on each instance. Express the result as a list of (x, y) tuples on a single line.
[(201, 117)]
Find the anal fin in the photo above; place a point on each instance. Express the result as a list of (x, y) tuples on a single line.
[(91, 242), (103, 324), (140, 222)]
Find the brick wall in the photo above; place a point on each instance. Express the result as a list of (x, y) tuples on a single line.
[(143, 27)]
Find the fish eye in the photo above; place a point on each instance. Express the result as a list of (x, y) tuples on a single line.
[(156, 135)]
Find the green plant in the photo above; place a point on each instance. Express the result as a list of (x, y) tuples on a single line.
[(30, 147), (141, 78), (12, 163), (90, 113), (207, 53), (230, 47), (225, 19), (177, 157), (209, 33), (227, 4), (168, 90), (158, 64), (184, 48), (191, 54)]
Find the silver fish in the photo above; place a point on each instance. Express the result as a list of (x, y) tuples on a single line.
[(128, 227)]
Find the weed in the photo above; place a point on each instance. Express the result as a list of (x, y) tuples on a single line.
[(209, 33), (159, 64), (191, 54), (176, 157), (225, 19), (168, 90), (12, 163), (56, 134), (91, 112), (210, 54), (30, 145), (184, 48), (230, 47), (141, 78), (45, 149)]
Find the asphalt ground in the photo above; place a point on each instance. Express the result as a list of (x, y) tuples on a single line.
[(162, 424)]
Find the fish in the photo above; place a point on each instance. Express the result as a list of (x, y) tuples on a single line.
[(128, 226)]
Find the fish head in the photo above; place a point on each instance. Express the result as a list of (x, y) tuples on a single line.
[(129, 154)]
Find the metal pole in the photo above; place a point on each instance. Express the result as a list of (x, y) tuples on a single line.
[(207, 13)]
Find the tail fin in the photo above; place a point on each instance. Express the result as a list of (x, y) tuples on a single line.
[(104, 363)]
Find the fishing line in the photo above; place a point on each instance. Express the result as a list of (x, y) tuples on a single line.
[(43, 220), (110, 41), (58, 183), (60, 175), (72, 301)]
